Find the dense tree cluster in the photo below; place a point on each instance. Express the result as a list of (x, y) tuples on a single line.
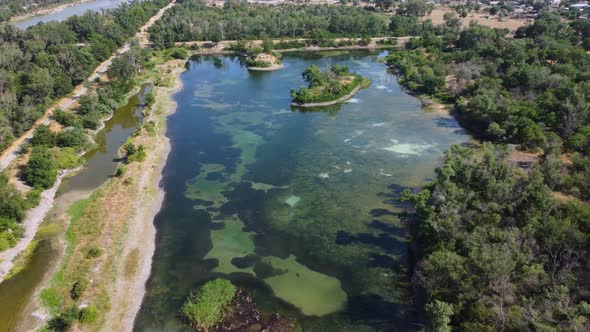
[(193, 20), (499, 254), (528, 90), (329, 85), (47, 60), (497, 250)]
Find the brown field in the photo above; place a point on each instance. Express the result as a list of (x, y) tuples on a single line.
[(484, 19)]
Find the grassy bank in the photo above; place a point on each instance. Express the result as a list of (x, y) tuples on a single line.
[(99, 251)]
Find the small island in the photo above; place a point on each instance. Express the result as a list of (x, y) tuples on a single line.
[(220, 306), (264, 61), (330, 87)]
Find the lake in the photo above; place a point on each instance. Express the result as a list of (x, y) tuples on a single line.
[(299, 208)]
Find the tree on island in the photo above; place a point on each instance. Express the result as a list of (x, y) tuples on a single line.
[(327, 86)]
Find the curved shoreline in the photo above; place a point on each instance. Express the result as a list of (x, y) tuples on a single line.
[(269, 68), (128, 290), (332, 102)]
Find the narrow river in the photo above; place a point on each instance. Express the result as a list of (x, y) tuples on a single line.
[(300, 208), (100, 164), (77, 9)]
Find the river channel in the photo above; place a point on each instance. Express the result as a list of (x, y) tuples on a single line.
[(100, 163)]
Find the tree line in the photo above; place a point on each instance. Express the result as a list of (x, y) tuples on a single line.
[(192, 20)]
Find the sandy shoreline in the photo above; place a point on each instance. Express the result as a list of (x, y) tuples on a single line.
[(129, 290), (272, 67)]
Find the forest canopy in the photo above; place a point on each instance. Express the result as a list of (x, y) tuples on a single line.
[(45, 62), (192, 20)]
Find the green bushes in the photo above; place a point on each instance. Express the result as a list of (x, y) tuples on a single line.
[(66, 158), (93, 252), (134, 153), (41, 170), (78, 288), (63, 321), (66, 119), (43, 136), (207, 307), (72, 138), (88, 314)]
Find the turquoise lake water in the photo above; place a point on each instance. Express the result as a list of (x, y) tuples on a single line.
[(299, 208)]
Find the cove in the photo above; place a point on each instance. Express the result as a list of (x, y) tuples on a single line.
[(99, 164), (299, 208)]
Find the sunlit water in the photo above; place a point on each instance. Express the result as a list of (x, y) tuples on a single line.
[(299, 208), (100, 164), (79, 9)]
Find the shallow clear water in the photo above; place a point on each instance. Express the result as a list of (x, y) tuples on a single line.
[(79, 9), (299, 208), (100, 164)]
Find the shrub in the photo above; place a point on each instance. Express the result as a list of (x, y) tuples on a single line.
[(78, 288), (73, 137), (93, 252), (91, 120), (150, 99), (43, 136), (66, 158), (33, 197), (179, 53), (88, 314), (41, 169), (66, 119), (207, 307), (64, 320)]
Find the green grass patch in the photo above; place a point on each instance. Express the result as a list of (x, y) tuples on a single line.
[(207, 308)]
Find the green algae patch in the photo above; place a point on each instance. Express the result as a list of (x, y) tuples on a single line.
[(265, 186), (314, 293), (292, 200), (230, 242), (201, 188)]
